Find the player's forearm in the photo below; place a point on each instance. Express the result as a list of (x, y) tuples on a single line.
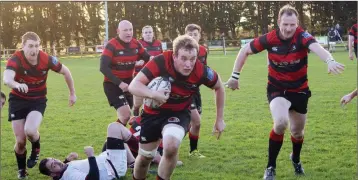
[(69, 80), (353, 94), (350, 42), (9, 80), (93, 173), (220, 101), (138, 89), (241, 59), (322, 53), (10, 83), (106, 71)]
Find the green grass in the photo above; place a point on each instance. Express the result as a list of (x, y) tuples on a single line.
[(329, 150)]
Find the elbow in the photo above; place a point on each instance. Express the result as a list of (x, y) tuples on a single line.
[(6, 81)]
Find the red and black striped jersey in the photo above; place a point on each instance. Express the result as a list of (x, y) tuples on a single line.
[(182, 87), (123, 57), (287, 58), (34, 76), (203, 54), (353, 32), (153, 48)]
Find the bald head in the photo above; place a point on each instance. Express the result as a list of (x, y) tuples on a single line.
[(125, 31)]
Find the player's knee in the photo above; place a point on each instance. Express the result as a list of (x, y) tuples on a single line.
[(280, 124), (297, 134), (114, 130), (30, 132), (195, 125), (20, 143), (170, 151)]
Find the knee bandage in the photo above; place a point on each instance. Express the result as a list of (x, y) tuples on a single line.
[(148, 154), (174, 130)]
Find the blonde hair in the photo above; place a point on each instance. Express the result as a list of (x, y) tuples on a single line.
[(287, 9), (192, 27), (145, 27), (30, 36), (184, 42)]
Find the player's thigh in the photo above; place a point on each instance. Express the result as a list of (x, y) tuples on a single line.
[(279, 107), (297, 122), (115, 95), (33, 121), (18, 108), (117, 130), (173, 134), (177, 122), (151, 128)]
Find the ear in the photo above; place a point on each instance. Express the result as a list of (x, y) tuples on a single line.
[(117, 31), (278, 22)]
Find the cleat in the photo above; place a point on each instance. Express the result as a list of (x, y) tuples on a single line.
[(298, 167), (179, 163), (34, 157), (196, 154), (22, 174), (270, 173)]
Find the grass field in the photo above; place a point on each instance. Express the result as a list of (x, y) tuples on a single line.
[(329, 150)]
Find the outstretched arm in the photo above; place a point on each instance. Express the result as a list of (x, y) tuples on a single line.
[(348, 98), (333, 66), (93, 173), (233, 82), (70, 84), (72, 156)]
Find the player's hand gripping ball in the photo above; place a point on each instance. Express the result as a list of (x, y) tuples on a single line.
[(159, 84)]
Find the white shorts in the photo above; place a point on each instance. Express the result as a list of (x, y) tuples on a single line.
[(119, 161)]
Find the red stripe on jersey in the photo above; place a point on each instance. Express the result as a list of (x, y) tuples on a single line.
[(154, 49), (202, 54), (354, 32), (123, 57), (288, 58), (182, 88), (288, 76), (35, 76)]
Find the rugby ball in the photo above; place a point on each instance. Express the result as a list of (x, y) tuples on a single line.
[(157, 84)]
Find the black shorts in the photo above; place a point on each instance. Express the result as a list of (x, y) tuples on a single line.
[(19, 107), (196, 102), (356, 51), (116, 97), (299, 100), (152, 125)]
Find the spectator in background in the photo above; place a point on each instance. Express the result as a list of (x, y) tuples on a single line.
[(339, 32)]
